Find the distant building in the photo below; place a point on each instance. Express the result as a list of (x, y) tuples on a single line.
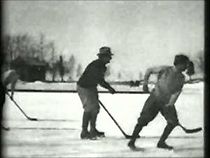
[(30, 69)]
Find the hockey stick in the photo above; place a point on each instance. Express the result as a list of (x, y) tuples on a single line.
[(194, 130), (29, 118), (126, 136)]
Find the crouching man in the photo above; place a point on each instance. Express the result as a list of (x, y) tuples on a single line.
[(87, 91), (162, 99), (9, 78)]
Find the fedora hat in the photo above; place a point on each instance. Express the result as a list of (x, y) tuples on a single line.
[(105, 51)]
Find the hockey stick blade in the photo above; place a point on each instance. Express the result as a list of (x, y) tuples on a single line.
[(29, 118), (129, 136), (194, 130), (32, 119)]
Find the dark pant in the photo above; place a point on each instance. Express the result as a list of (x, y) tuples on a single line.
[(89, 99), (152, 106), (89, 117)]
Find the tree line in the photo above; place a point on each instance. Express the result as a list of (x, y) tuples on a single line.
[(58, 68), (28, 47)]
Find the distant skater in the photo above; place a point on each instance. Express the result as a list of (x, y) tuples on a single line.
[(162, 98), (9, 78), (87, 91)]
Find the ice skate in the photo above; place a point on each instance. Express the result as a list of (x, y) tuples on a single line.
[(93, 135), (131, 145), (85, 135), (163, 145), (5, 128), (100, 133)]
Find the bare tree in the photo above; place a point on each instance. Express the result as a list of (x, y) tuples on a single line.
[(140, 76), (22, 45), (52, 64), (108, 71), (71, 67), (14, 46), (61, 68), (200, 61), (119, 76), (25, 46), (79, 70), (7, 50), (190, 70)]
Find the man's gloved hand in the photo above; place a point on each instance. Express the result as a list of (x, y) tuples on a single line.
[(190, 68), (169, 105), (11, 97), (145, 88), (112, 90)]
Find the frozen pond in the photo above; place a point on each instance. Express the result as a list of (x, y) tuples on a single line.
[(56, 133)]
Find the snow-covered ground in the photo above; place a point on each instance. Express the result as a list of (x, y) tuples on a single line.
[(56, 133)]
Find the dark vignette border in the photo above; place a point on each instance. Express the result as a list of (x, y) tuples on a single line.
[(206, 89), (2, 96)]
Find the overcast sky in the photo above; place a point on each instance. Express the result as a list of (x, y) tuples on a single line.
[(140, 33)]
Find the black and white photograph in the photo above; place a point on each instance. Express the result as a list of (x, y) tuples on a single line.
[(113, 78)]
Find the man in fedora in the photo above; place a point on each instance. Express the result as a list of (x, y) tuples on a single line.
[(87, 91)]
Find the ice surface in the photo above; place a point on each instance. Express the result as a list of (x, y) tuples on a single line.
[(56, 133)]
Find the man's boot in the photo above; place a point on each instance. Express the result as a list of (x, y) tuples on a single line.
[(164, 136), (94, 133), (85, 121), (131, 143), (5, 128), (100, 133)]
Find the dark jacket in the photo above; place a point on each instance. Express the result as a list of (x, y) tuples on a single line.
[(94, 75)]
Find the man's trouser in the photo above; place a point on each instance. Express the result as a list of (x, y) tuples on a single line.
[(89, 117), (89, 99), (150, 110)]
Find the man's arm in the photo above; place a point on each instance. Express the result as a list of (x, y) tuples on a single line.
[(13, 85), (149, 71), (106, 85), (175, 95), (173, 98)]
